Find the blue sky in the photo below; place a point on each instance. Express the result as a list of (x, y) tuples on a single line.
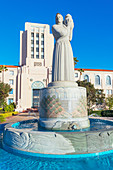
[(92, 41)]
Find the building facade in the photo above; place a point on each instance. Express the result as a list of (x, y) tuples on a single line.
[(102, 79), (35, 69)]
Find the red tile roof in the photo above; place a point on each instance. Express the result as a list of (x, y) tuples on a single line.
[(9, 66)]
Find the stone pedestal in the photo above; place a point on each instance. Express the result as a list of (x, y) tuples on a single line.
[(63, 106)]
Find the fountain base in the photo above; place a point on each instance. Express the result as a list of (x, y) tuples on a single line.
[(63, 106)]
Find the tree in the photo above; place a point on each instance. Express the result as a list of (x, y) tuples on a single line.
[(93, 95), (81, 71), (100, 96), (2, 69), (4, 92), (75, 61), (109, 101)]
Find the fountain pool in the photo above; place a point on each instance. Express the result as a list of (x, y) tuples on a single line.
[(17, 161), (28, 138)]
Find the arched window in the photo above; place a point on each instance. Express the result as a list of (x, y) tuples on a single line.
[(97, 80), (86, 77), (108, 80)]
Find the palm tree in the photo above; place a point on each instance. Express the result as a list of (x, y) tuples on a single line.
[(81, 71), (75, 61), (2, 69)]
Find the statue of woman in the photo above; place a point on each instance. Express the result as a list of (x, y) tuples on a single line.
[(63, 64)]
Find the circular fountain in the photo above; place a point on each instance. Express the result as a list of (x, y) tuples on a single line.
[(63, 128), (28, 138)]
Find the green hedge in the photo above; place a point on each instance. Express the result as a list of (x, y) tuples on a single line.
[(107, 113), (98, 112), (103, 113), (2, 119), (5, 115)]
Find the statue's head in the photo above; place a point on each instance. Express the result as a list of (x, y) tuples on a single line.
[(68, 20), (59, 18)]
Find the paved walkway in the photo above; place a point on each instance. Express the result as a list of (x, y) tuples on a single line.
[(21, 117)]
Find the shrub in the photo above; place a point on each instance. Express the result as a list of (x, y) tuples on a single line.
[(14, 104), (98, 112), (2, 119), (107, 113), (9, 108)]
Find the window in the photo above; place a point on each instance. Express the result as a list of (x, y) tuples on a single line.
[(11, 72), (11, 82), (86, 77), (37, 56), (32, 48), (32, 34), (37, 35), (32, 55), (11, 92), (37, 42), (32, 41), (108, 92), (97, 80), (76, 74), (42, 49), (42, 56), (108, 80), (42, 36), (37, 49), (10, 100), (42, 42)]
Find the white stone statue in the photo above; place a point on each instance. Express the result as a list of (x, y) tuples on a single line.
[(63, 63)]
